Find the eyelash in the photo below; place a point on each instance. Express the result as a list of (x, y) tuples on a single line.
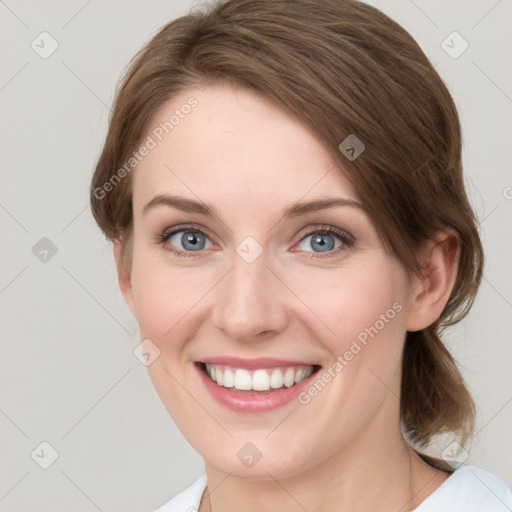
[(346, 239)]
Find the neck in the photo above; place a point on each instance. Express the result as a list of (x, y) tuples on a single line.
[(368, 475)]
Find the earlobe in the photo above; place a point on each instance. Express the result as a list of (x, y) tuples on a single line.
[(431, 290), (123, 277)]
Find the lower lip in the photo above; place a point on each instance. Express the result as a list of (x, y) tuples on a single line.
[(251, 403)]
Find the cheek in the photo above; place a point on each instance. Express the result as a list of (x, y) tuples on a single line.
[(156, 308), (356, 302), (362, 319), (166, 308), (170, 302), (162, 297)]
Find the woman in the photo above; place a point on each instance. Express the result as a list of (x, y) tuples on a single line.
[(282, 182)]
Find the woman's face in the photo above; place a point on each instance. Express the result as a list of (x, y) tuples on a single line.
[(238, 263)]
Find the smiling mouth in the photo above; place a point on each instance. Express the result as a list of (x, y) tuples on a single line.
[(258, 380)]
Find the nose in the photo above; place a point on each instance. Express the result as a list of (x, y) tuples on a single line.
[(249, 303)]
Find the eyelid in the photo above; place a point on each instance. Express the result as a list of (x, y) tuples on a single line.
[(347, 242), (184, 227), (346, 238), (163, 237), (343, 235)]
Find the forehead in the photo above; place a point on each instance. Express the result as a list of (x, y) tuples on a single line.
[(231, 145)]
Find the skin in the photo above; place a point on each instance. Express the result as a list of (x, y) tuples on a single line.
[(250, 160)]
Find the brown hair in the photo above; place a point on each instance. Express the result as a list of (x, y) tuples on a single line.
[(340, 67)]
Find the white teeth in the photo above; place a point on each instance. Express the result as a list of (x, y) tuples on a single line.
[(289, 378), (303, 374), (276, 379), (229, 378), (242, 379), (220, 377), (258, 380)]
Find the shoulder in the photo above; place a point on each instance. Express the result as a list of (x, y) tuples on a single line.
[(469, 489), (187, 500)]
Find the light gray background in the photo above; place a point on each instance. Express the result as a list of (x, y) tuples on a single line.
[(68, 375)]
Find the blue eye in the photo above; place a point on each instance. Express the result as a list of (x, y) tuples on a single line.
[(187, 240), (190, 240), (321, 242), (325, 239), (183, 241)]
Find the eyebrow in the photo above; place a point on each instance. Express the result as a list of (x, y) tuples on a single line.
[(295, 210)]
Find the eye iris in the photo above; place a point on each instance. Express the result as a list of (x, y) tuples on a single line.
[(195, 241), (319, 242), (192, 241)]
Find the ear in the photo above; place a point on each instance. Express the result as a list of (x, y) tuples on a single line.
[(123, 277), (431, 290)]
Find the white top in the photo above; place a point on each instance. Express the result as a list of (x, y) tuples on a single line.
[(468, 489)]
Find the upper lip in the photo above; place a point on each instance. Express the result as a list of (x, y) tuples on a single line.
[(250, 364)]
